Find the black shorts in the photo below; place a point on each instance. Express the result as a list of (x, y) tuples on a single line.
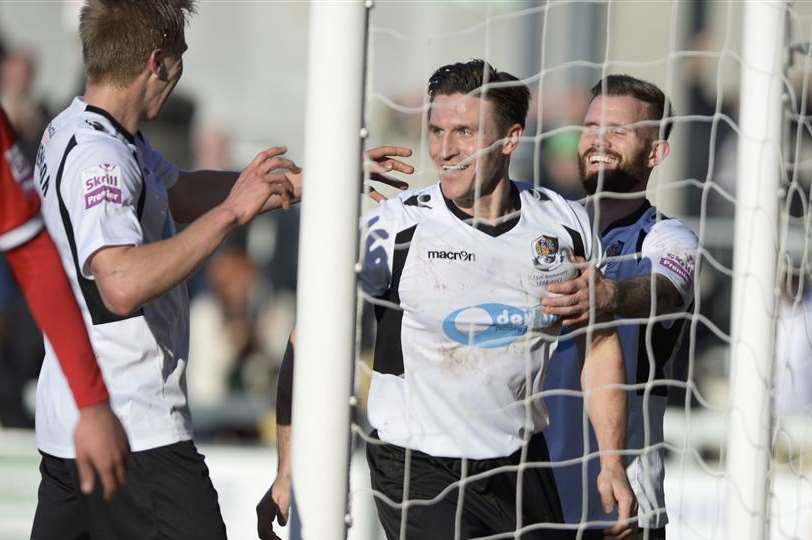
[(168, 496), (488, 504)]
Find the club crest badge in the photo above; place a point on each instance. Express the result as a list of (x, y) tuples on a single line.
[(615, 249), (546, 254)]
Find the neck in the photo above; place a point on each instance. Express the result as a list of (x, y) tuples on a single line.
[(123, 104), (610, 210), (492, 203)]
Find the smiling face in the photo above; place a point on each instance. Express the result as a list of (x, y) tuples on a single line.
[(615, 144), (465, 146)]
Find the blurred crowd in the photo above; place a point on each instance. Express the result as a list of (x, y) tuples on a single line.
[(243, 299)]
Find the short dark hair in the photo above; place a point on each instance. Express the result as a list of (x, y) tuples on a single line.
[(119, 35), (476, 77), (659, 105)]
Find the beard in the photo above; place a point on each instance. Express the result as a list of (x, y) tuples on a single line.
[(626, 178)]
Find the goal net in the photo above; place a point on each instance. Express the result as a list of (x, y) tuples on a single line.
[(735, 387)]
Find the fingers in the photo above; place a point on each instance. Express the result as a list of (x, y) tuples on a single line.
[(579, 262), (566, 287), (108, 480), (624, 527), (282, 515), (576, 321), (86, 477), (279, 163), (575, 311), (389, 165), (381, 151), (119, 471), (607, 496), (375, 195), (389, 181), (279, 186), (267, 154)]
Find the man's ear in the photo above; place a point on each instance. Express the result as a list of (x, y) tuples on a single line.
[(658, 152), (511, 139), (155, 64)]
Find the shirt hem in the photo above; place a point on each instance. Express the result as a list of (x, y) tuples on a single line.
[(136, 445)]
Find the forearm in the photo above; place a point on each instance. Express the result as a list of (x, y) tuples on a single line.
[(284, 399), (130, 276), (632, 298), (38, 270), (283, 435), (602, 378), (197, 192)]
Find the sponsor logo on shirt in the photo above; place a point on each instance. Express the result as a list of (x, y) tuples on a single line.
[(464, 256), (682, 264), (102, 184), (494, 325), (546, 254)]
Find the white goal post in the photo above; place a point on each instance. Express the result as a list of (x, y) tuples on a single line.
[(754, 266), (325, 352), (326, 321)]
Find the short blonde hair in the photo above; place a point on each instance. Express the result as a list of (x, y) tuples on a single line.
[(119, 35)]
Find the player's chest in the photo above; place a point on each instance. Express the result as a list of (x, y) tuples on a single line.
[(457, 265), (622, 254), (152, 204)]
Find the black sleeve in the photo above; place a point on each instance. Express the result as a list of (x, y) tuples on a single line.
[(284, 388)]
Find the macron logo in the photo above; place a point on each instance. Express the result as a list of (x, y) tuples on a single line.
[(464, 256)]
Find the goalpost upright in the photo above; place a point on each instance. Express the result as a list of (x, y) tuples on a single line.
[(754, 265), (327, 280)]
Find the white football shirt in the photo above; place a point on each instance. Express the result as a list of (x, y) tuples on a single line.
[(462, 343), (102, 186)]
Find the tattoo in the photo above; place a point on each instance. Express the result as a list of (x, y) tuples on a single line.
[(634, 297)]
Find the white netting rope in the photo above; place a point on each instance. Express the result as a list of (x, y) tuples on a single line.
[(796, 187)]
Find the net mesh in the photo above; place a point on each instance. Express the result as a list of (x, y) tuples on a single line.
[(692, 51)]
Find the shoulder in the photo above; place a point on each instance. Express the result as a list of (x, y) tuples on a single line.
[(671, 231), (568, 212), (407, 209)]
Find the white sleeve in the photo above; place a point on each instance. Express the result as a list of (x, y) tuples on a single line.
[(101, 188), (380, 228), (165, 170), (672, 249)]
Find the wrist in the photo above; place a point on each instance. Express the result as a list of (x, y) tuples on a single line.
[(612, 461), (226, 216), (94, 409), (283, 471)]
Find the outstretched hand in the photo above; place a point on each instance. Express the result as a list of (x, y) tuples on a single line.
[(274, 505), (101, 449), (379, 162), (264, 185)]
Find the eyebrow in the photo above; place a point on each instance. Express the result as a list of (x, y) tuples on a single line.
[(432, 125), (608, 124)]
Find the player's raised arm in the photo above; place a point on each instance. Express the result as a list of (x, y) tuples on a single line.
[(130, 275), (197, 192), (602, 377)]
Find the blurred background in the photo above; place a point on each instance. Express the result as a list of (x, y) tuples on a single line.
[(243, 90)]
